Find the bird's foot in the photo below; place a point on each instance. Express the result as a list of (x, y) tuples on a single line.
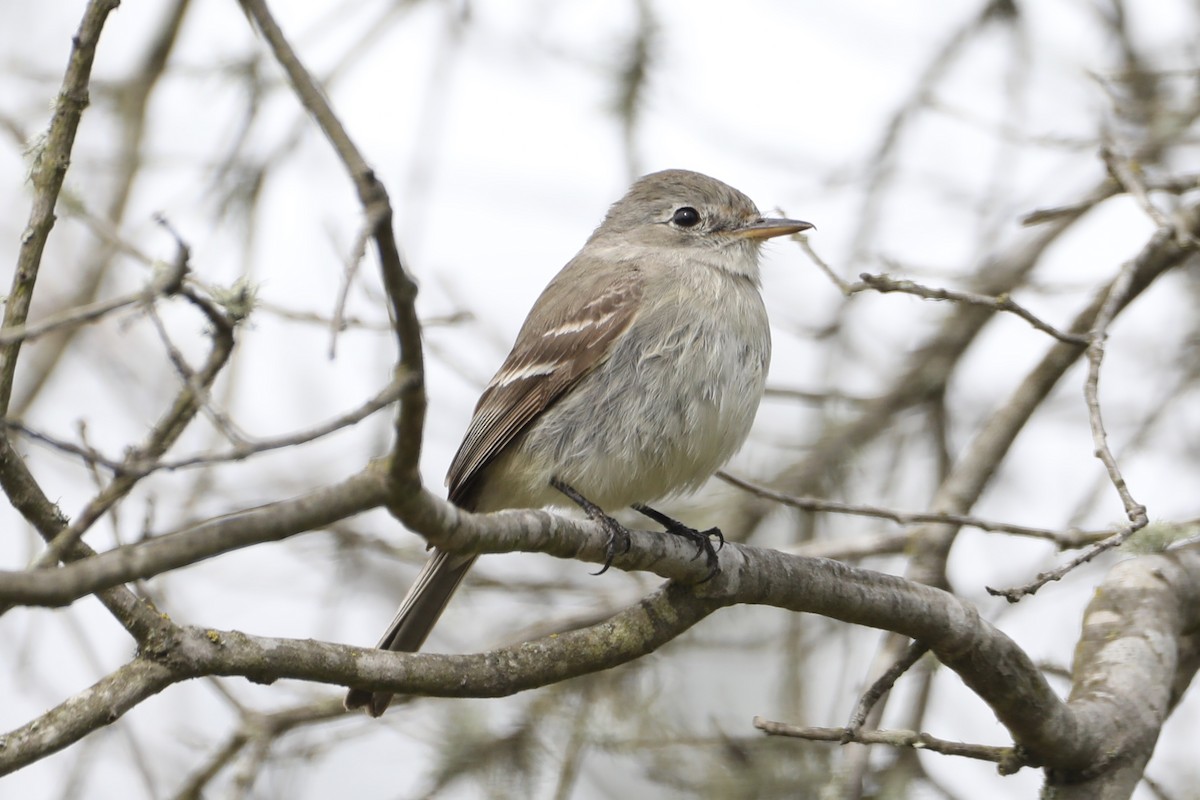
[(702, 539), (618, 536)]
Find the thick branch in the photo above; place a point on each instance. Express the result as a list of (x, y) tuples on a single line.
[(1130, 669), (1067, 737), (102, 704), (629, 634)]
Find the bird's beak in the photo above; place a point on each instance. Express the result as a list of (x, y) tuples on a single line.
[(768, 228)]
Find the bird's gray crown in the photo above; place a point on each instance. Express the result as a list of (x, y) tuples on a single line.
[(655, 206)]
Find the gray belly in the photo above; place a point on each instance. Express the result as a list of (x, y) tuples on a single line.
[(649, 422)]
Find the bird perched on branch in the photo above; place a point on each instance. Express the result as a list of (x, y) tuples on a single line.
[(636, 375)]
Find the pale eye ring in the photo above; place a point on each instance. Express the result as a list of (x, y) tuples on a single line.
[(686, 217)]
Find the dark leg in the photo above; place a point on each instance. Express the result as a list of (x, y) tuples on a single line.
[(702, 539), (618, 537)]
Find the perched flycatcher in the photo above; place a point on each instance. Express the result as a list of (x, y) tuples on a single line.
[(636, 376)]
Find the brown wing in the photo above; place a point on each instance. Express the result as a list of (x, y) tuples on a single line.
[(571, 333)]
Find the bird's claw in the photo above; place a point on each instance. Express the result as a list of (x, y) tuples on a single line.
[(702, 539), (704, 545), (618, 541)]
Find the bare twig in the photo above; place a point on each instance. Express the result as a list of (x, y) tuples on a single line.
[(164, 434), (47, 176), (1016, 593), (50, 168), (812, 397), (1164, 250), (885, 284), (191, 382), (166, 283), (453, 318), (1065, 540), (132, 98), (1134, 511), (1116, 298), (880, 687), (145, 559), (400, 286), (1128, 174), (349, 271), (257, 729), (926, 371), (242, 450), (823, 265), (1009, 759)]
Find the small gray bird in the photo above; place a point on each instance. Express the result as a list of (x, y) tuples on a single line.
[(636, 376)]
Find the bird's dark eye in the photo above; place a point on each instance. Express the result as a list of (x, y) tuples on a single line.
[(686, 217)]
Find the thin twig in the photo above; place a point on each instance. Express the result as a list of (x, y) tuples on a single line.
[(241, 451), (1015, 593), (1128, 174), (1116, 298), (1172, 184), (166, 283), (161, 437), (192, 384), (1065, 540), (1009, 759), (885, 284), (349, 272), (347, 322), (1120, 292), (882, 685), (256, 730), (132, 103), (822, 264)]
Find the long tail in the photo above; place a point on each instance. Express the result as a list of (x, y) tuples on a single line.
[(418, 613)]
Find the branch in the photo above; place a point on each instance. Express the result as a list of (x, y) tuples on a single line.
[(102, 704), (928, 369), (132, 103), (1064, 539), (1117, 298), (31, 502), (1163, 252), (49, 170), (1139, 651), (239, 452), (629, 634), (1131, 666), (269, 523), (257, 731), (165, 283), (441, 523), (885, 284), (161, 437), (1008, 758), (1068, 737), (400, 287)]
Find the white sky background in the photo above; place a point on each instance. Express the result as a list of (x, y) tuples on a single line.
[(501, 153)]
